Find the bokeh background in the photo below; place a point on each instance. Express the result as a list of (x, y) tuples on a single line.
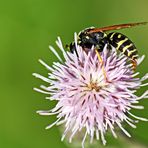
[(27, 27)]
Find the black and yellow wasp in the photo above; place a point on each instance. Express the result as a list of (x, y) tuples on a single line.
[(98, 38)]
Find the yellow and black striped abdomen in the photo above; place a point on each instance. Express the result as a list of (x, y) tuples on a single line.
[(124, 44)]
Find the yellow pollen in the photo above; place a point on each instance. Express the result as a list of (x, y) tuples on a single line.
[(93, 86)]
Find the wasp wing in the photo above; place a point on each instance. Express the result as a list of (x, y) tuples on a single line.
[(116, 27)]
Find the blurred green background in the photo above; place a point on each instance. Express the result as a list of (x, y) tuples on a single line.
[(27, 27)]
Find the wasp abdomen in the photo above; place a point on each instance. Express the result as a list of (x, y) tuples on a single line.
[(124, 44)]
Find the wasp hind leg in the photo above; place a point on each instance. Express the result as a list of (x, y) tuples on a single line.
[(102, 64), (134, 64)]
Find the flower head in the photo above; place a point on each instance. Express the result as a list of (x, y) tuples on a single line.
[(85, 100)]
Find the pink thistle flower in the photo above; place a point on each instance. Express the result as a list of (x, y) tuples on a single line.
[(85, 100)]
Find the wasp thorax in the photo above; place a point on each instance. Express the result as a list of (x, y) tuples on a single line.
[(97, 39)]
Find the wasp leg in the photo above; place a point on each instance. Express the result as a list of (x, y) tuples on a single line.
[(102, 64), (134, 64)]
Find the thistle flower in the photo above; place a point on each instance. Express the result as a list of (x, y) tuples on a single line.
[(85, 100)]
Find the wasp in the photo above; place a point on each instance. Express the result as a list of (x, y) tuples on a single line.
[(98, 37)]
